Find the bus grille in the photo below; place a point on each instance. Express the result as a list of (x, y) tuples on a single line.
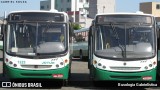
[(36, 66), (125, 68)]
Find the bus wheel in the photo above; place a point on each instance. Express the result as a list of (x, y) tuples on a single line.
[(89, 64), (81, 54), (95, 83), (65, 82), (69, 77), (157, 77), (15, 80)]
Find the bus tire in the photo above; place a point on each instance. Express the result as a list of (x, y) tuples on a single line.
[(69, 74), (96, 83), (65, 82), (15, 80), (157, 77)]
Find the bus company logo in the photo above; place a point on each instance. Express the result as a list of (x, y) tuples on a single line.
[(6, 84), (124, 63)]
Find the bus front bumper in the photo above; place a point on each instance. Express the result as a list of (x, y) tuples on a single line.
[(61, 73), (101, 75)]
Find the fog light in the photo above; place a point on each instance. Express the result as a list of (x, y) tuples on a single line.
[(57, 75), (147, 78)]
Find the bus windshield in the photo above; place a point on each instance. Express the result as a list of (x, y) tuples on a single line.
[(128, 41), (36, 38)]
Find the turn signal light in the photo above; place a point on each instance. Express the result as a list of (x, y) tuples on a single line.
[(66, 61), (6, 60), (94, 62), (154, 63)]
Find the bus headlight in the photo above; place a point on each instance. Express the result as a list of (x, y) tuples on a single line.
[(150, 65), (99, 64), (146, 67), (104, 67), (10, 62), (61, 63), (57, 65), (15, 65)]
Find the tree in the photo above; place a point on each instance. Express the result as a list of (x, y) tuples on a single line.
[(76, 26)]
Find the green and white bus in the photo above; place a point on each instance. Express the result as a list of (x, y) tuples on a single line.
[(123, 47), (37, 45)]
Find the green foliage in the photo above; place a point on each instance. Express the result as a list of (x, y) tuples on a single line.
[(76, 26)]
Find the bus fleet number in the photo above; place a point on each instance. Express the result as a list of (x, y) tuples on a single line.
[(22, 62)]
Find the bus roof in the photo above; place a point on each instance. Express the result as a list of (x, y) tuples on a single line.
[(66, 18), (38, 11), (125, 14)]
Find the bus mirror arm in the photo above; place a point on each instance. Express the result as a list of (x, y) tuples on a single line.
[(1, 36), (158, 29), (2, 31), (158, 32)]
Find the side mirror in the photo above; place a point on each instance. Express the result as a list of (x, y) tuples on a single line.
[(1, 31), (158, 34), (158, 29), (71, 30), (93, 23), (92, 27)]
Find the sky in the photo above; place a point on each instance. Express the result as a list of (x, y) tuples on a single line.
[(130, 5), (14, 6), (121, 5)]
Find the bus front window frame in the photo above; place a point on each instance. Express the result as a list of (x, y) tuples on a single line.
[(37, 53), (122, 48)]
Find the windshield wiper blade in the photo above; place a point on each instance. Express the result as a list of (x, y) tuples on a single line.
[(122, 49), (117, 38)]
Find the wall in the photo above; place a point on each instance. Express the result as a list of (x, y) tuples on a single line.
[(155, 12), (45, 5), (146, 7), (101, 6)]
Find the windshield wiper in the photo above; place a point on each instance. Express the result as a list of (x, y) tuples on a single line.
[(117, 38)]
